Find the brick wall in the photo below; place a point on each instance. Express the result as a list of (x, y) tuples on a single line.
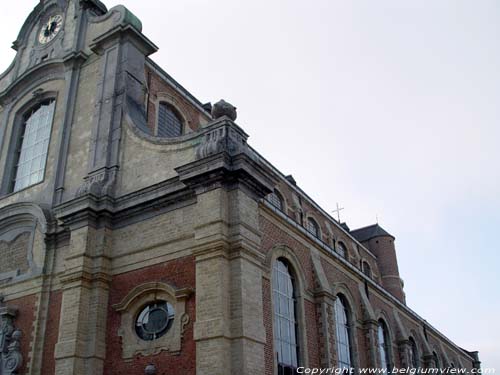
[(51, 333), (272, 236), (158, 89), (179, 273)]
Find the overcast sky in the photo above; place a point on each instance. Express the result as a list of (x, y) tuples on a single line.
[(389, 107)]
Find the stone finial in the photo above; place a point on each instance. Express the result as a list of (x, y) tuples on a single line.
[(150, 369), (223, 108)]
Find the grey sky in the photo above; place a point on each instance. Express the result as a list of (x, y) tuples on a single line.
[(389, 107)]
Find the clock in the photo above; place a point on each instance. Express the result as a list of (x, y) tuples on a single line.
[(50, 29)]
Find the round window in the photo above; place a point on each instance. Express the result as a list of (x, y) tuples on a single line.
[(154, 320)]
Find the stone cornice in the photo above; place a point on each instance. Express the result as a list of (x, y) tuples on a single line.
[(123, 33)]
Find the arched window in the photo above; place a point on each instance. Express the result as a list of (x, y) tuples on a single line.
[(285, 323), (413, 354), (341, 250), (343, 332), (312, 227), (169, 121), (366, 269), (437, 362), (32, 146), (383, 345), (276, 200)]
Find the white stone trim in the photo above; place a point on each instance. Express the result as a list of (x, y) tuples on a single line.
[(130, 306)]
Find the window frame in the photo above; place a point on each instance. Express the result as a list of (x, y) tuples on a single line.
[(382, 325), (15, 142), (177, 112), (437, 360), (343, 246), (317, 233), (281, 367), (279, 197), (141, 332), (348, 326), (414, 359), (130, 307), (366, 269)]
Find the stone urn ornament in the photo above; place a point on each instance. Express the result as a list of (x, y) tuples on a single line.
[(223, 108)]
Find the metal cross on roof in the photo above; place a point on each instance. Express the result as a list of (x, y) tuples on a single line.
[(337, 211)]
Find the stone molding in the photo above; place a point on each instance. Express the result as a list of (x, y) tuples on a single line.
[(223, 136), (130, 306)]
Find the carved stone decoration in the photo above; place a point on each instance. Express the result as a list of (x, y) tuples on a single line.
[(10, 348), (224, 137), (99, 185), (223, 108), (134, 302)]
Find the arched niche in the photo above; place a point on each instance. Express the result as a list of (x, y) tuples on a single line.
[(23, 227)]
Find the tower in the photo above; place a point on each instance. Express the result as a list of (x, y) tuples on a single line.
[(381, 243)]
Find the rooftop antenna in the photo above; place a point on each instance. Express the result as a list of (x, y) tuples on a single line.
[(337, 211)]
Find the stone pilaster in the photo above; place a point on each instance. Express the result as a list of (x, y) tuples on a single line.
[(370, 328), (404, 348), (325, 303), (429, 361), (120, 89), (81, 345), (228, 183)]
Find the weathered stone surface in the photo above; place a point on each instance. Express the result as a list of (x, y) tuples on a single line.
[(223, 108), (120, 209)]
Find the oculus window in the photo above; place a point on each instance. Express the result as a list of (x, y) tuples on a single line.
[(154, 320)]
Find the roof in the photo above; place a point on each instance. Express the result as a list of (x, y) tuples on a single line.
[(369, 232)]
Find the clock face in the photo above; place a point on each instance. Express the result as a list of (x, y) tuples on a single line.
[(50, 29)]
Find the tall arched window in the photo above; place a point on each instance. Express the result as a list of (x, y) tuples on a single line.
[(169, 121), (413, 354), (383, 345), (32, 146), (341, 250), (276, 200), (366, 269), (437, 362), (343, 332), (285, 323), (312, 227)]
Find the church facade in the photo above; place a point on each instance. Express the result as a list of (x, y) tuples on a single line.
[(141, 233)]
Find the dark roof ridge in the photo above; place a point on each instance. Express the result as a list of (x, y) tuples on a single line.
[(369, 232)]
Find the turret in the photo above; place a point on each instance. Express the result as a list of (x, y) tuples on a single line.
[(381, 243)]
